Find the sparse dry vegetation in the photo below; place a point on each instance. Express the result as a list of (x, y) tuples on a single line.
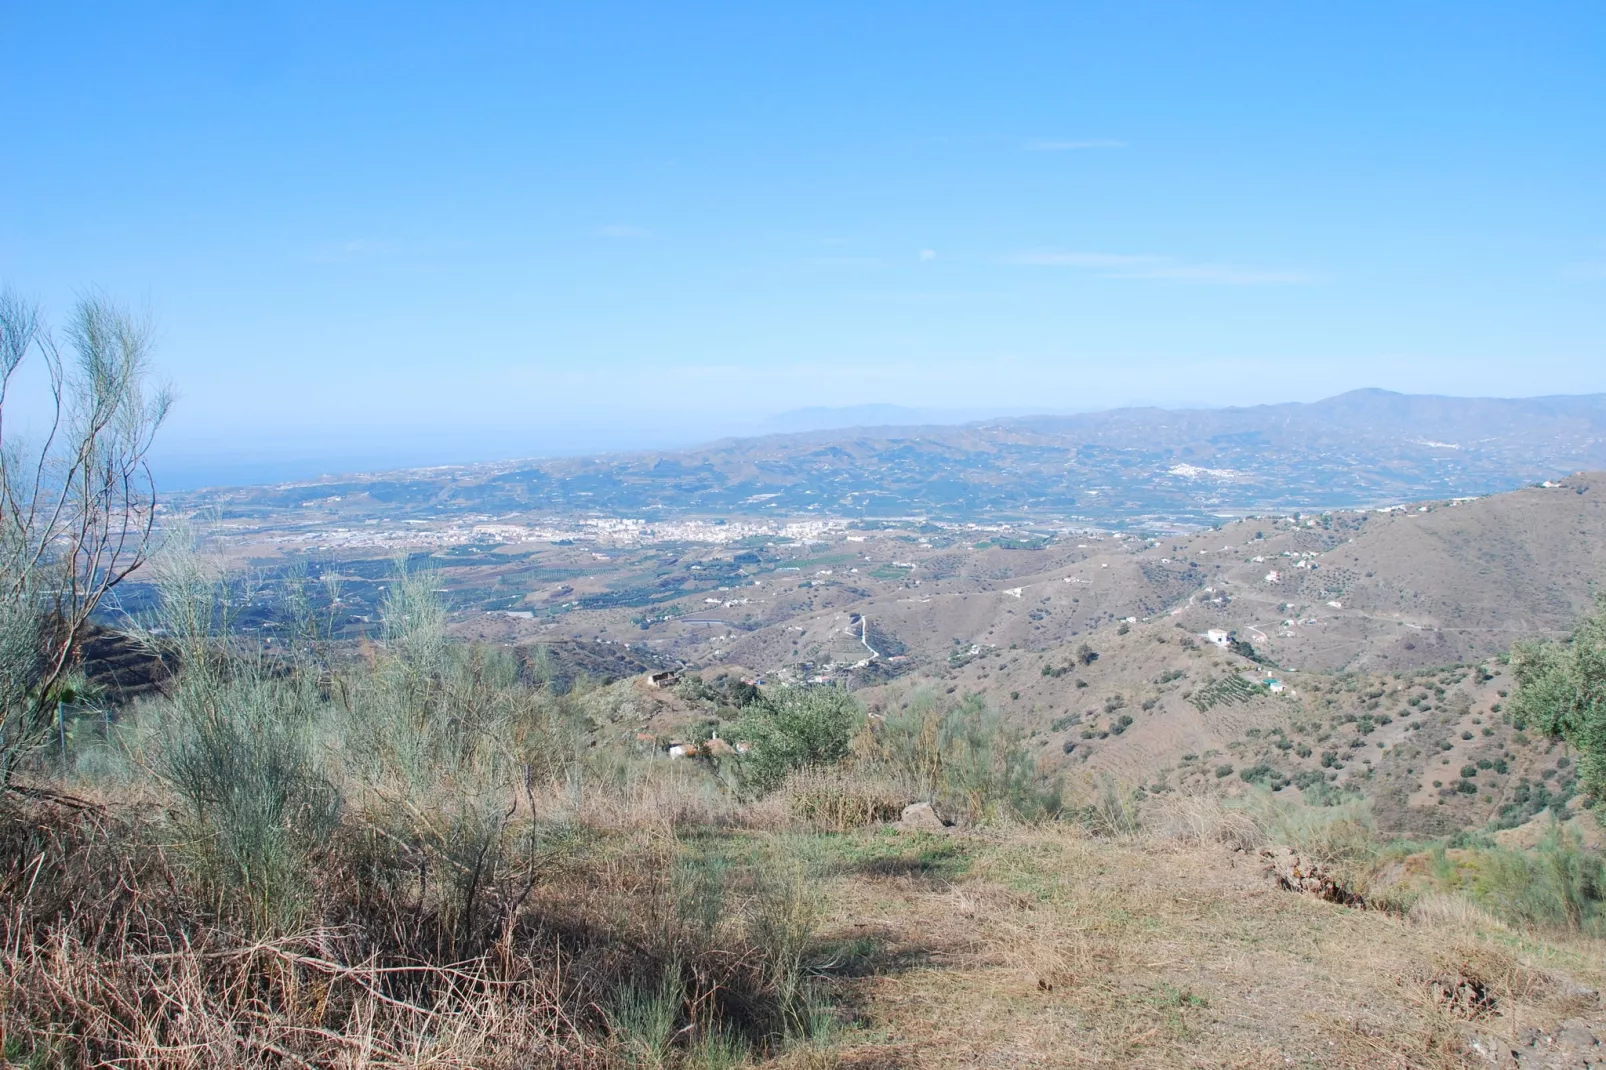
[(413, 857), (410, 859)]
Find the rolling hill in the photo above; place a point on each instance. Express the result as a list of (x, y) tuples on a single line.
[(1381, 628)]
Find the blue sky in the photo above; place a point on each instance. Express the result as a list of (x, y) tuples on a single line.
[(396, 233)]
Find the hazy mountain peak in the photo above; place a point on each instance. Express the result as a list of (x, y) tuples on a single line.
[(830, 418)]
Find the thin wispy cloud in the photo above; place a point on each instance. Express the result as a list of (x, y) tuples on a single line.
[(928, 254), (356, 249), (845, 261), (1164, 268), (623, 231), (1084, 260), (1051, 145)]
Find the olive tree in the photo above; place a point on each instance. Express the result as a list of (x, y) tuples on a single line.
[(794, 728), (1561, 691), (77, 502)]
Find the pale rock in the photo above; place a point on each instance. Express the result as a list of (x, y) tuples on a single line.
[(921, 817)]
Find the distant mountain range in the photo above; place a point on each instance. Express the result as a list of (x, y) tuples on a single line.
[(826, 418), (1136, 466)]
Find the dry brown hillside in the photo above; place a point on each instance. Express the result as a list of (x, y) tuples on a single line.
[(1380, 626), (1410, 587), (1424, 585), (1377, 627), (1161, 709)]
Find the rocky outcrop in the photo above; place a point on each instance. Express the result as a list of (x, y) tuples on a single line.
[(1293, 873)]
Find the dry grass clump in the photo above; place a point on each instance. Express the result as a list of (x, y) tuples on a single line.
[(960, 756), (1452, 910), (1198, 819), (835, 800), (588, 951), (1476, 980), (619, 793)]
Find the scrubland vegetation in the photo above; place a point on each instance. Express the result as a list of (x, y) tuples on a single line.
[(410, 853)]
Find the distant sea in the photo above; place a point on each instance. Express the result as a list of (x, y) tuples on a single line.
[(183, 462), (193, 465), (191, 461)]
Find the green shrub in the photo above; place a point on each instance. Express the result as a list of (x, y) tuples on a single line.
[(960, 756), (239, 753), (1263, 774), (1561, 690), (793, 728), (1559, 883)]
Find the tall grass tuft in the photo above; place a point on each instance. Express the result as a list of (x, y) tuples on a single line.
[(1341, 835), (259, 809), (836, 799), (1112, 811), (236, 740), (644, 1019), (961, 757), (1559, 884), (783, 919)]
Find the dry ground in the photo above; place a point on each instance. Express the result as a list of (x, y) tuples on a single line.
[(1032, 946), (1050, 948)]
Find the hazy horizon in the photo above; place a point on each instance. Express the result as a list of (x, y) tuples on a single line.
[(459, 231), (189, 465)]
